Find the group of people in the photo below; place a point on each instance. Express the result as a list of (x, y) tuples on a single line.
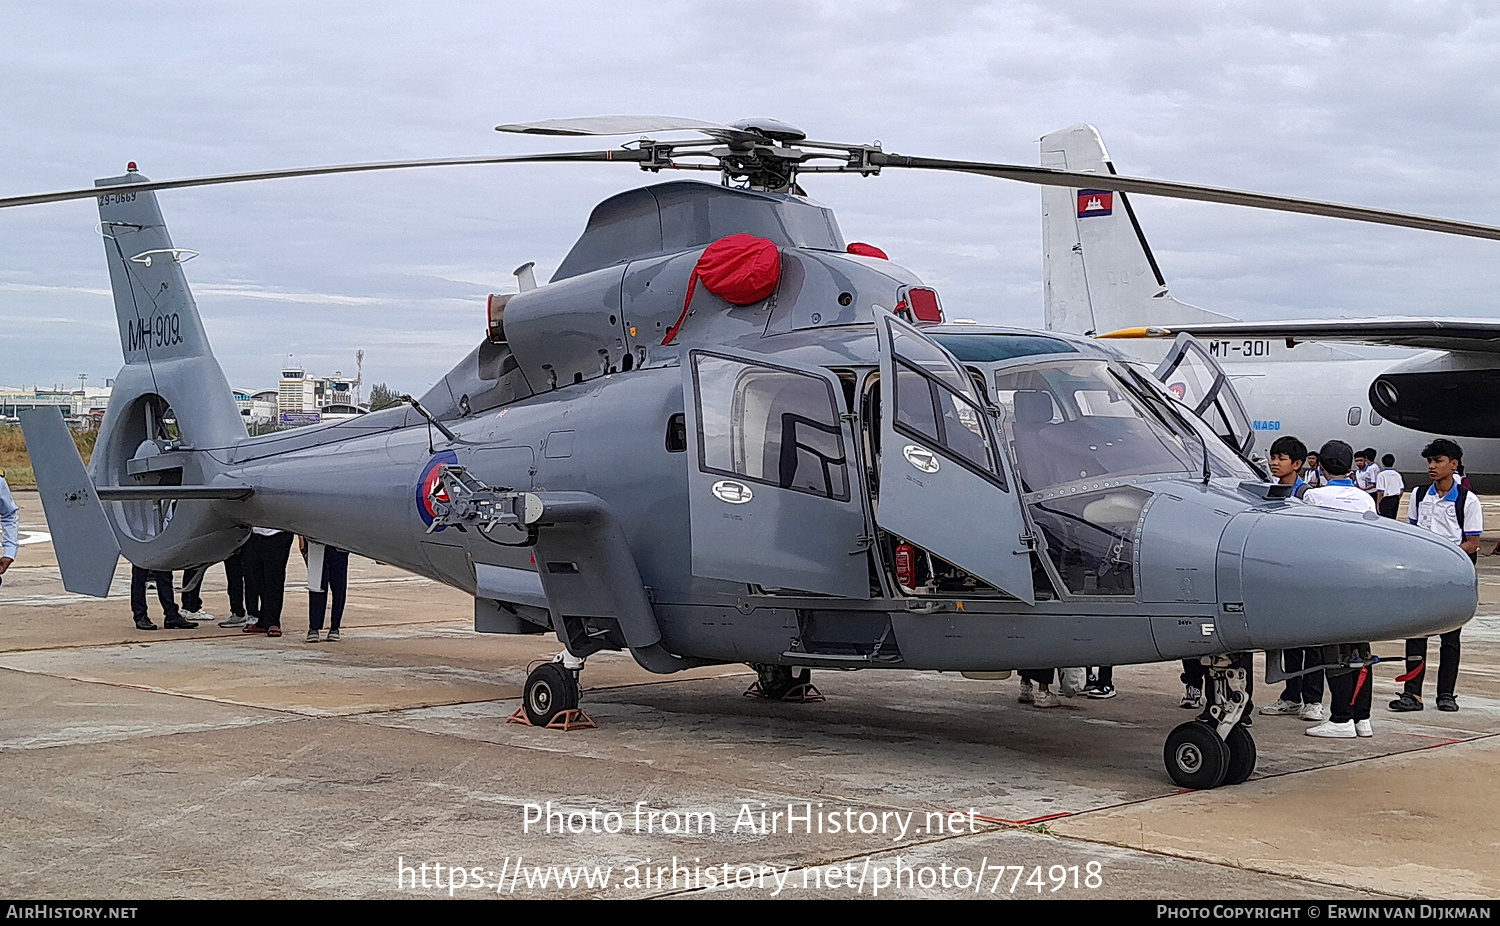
[(256, 574), (1338, 477)]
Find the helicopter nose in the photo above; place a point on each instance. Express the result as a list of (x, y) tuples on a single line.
[(1309, 576)]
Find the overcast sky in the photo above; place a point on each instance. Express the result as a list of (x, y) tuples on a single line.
[(1392, 105)]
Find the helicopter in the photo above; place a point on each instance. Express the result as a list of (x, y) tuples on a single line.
[(723, 434)]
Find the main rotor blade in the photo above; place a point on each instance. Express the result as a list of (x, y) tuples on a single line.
[(616, 125), (619, 154), (1046, 176)]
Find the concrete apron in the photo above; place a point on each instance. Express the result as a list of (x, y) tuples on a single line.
[(211, 763)]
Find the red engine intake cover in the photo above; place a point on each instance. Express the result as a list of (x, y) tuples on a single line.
[(740, 269)]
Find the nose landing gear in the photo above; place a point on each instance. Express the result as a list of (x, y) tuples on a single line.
[(550, 697), (1214, 748)]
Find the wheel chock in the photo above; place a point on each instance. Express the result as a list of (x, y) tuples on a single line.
[(566, 721), (804, 693)]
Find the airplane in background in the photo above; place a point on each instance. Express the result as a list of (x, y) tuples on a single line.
[(1433, 377)]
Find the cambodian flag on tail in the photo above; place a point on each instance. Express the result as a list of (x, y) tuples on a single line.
[(1095, 202)]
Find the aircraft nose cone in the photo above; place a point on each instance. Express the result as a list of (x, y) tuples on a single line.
[(1310, 576)]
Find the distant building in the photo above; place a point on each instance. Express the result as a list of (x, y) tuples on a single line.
[(302, 393), (83, 408)]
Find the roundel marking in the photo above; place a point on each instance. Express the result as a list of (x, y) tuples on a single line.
[(431, 474), (920, 457), (735, 493)]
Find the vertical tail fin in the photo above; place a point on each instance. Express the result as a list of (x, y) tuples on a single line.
[(169, 373), (161, 334), (1098, 271)]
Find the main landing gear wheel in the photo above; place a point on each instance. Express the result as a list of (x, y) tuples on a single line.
[(550, 690), (1241, 755), (783, 683), (1196, 758)]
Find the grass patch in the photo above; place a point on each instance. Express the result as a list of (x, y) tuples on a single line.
[(16, 463)]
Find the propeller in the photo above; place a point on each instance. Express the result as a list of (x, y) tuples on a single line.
[(768, 154)]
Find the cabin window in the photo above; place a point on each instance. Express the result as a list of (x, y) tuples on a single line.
[(769, 425), (936, 402), (1354, 416)]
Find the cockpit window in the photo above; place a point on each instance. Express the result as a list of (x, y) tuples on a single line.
[(1079, 419), (1090, 538), (993, 348)]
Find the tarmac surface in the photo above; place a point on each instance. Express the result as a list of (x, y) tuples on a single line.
[(210, 763)]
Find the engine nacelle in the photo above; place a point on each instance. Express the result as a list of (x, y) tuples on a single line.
[(1440, 393)]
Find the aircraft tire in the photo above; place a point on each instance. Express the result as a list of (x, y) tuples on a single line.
[(550, 690), (777, 681), (1195, 756), (1241, 755)]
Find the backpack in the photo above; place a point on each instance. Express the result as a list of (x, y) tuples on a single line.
[(1459, 504)]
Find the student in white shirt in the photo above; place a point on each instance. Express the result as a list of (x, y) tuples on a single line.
[(1303, 695), (1313, 474), (1349, 701), (1365, 471), (1449, 510), (1388, 487)]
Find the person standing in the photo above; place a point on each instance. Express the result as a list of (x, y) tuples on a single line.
[(335, 583), (1101, 683), (10, 527), (1450, 510), (1303, 694), (265, 556), (1349, 690), (1366, 471), (173, 619), (234, 575), (1042, 695), (1288, 454), (192, 593), (1313, 474), (1388, 487)]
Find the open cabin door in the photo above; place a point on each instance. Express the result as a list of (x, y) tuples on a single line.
[(945, 484), (1191, 374), (774, 497)]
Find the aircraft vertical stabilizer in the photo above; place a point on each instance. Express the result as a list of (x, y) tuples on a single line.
[(1098, 271), (172, 406), (161, 334)]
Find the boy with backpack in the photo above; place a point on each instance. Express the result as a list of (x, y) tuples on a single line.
[(1447, 508)]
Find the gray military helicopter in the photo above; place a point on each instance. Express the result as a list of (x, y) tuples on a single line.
[(722, 434)]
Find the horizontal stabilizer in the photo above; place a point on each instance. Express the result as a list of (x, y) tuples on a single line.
[(86, 547), (172, 493)]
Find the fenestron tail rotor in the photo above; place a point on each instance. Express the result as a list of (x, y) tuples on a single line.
[(768, 154)]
